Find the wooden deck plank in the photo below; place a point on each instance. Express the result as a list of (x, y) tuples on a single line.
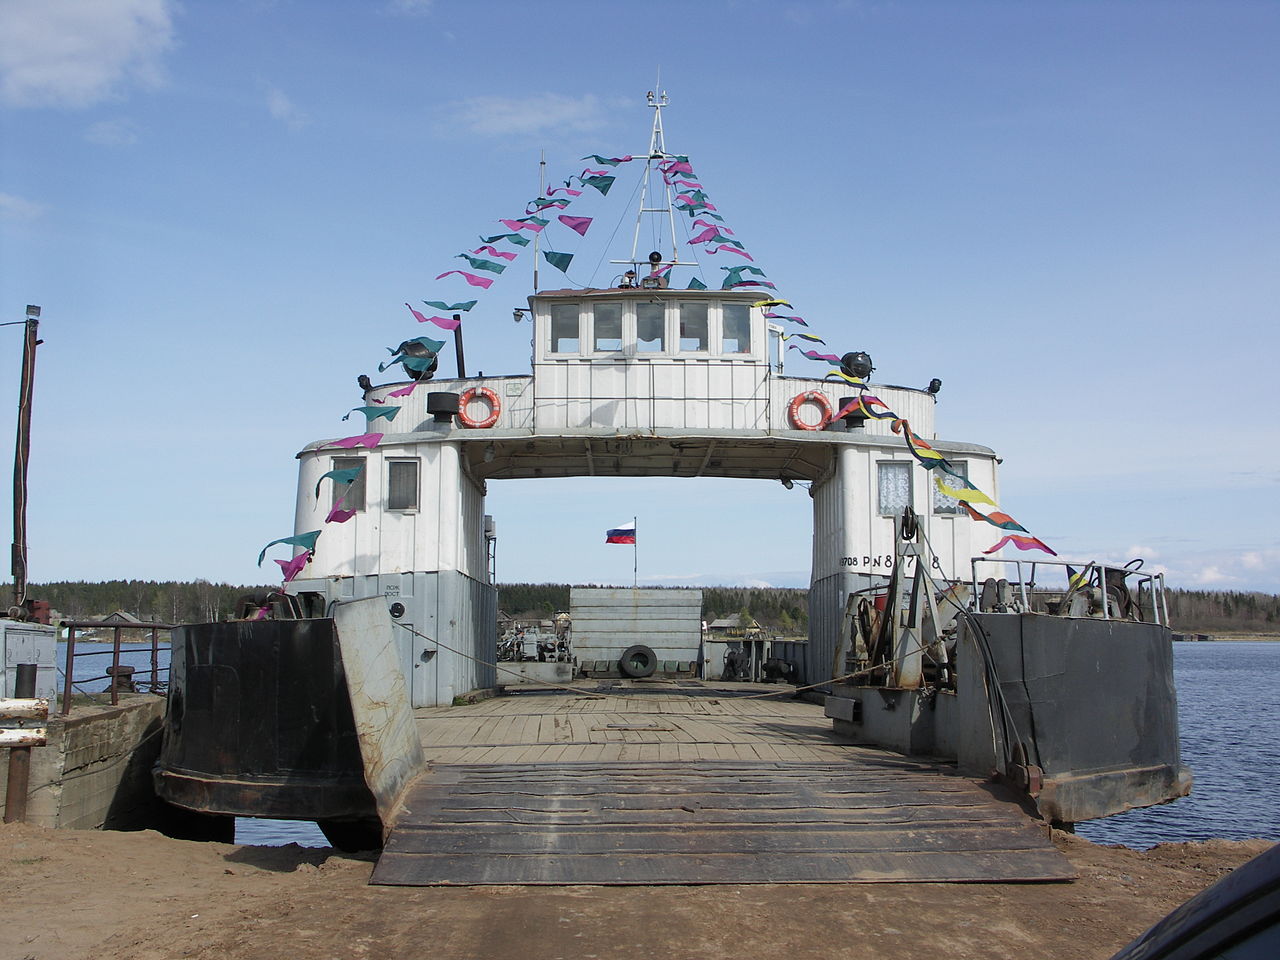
[(733, 821)]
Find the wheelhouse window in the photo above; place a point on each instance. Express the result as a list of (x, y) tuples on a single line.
[(350, 496), (894, 486), (736, 336), (651, 322), (565, 334), (402, 485), (606, 327), (693, 328), (942, 504)]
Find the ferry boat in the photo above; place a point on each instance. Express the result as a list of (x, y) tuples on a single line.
[(915, 645)]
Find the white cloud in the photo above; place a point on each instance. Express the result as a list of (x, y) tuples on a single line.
[(508, 116), (17, 209), (75, 53), (285, 110), (112, 133)]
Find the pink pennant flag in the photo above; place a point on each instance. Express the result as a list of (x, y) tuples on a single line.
[(403, 391), (369, 440), (447, 322), (577, 224), (691, 184), (471, 278), (494, 251), (518, 225), (676, 166), (725, 246), (569, 190), (592, 173), (693, 202), (717, 226), (705, 235), (1022, 543), (339, 515), (291, 568)]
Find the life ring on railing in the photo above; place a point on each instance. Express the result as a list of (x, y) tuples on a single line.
[(477, 393), (815, 396)]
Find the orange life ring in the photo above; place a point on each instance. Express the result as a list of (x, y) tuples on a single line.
[(475, 393), (815, 396)]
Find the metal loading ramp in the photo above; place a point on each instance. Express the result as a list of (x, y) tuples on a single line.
[(869, 820)]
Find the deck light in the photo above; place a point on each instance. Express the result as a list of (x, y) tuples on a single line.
[(857, 364), (788, 483), (934, 386)]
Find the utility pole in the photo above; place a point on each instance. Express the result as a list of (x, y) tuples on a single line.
[(21, 454)]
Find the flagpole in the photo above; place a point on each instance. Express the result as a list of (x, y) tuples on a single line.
[(635, 554)]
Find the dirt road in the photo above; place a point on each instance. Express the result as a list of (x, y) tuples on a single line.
[(69, 895)]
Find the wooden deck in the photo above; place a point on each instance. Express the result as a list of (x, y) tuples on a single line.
[(659, 721), (680, 782)]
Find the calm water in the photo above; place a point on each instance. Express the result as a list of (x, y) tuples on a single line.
[(1228, 714), (1229, 718)]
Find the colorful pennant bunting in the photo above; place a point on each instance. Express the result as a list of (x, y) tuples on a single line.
[(471, 278), (462, 307), (480, 264), (373, 413), (447, 322), (995, 517), (600, 183), (560, 261), (731, 248), (341, 476), (532, 224), (814, 354), (369, 440), (609, 161), (578, 225), (305, 540), (291, 568), (338, 513), (493, 251), (516, 238), (1022, 543)]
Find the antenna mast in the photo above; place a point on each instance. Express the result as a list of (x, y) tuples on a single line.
[(656, 154), (542, 186)]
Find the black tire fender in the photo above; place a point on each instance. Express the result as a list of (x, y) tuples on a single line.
[(638, 662)]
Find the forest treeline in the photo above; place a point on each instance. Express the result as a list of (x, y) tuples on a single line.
[(781, 610)]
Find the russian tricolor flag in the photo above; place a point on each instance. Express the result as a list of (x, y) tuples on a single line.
[(623, 534)]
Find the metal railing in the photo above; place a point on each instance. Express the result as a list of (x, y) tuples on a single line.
[(113, 673), (1107, 585)]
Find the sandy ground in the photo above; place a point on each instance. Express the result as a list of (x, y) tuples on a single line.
[(69, 895)]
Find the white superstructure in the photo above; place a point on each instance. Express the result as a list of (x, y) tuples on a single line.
[(625, 382)]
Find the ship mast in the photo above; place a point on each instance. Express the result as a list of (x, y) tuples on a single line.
[(661, 196)]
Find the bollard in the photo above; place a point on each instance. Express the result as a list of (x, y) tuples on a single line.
[(15, 796)]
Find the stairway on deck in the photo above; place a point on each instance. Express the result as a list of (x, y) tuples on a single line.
[(655, 788)]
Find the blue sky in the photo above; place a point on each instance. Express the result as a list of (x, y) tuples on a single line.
[(1067, 211)]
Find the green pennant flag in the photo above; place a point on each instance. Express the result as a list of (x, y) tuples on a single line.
[(480, 264), (462, 307), (305, 540), (696, 284), (560, 261), (600, 183), (693, 212), (517, 238), (373, 413), (433, 345), (339, 476)]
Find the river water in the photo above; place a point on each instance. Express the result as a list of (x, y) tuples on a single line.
[(1228, 715)]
